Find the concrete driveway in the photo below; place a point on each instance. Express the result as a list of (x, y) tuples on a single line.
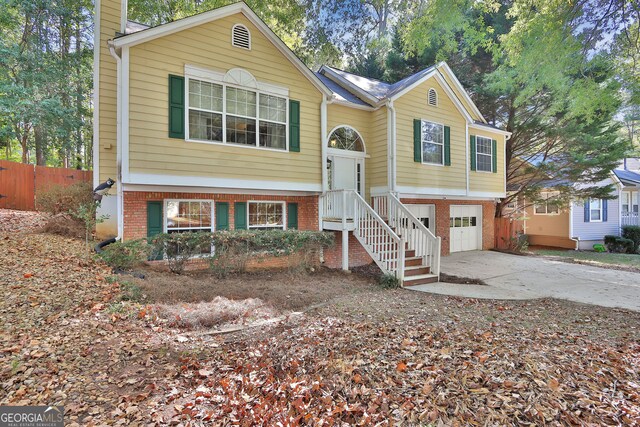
[(523, 277)]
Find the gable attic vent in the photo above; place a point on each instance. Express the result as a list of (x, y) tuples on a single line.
[(433, 97), (240, 37)]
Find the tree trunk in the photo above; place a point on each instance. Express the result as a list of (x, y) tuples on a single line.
[(40, 138)]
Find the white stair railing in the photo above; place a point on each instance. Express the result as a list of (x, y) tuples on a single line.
[(382, 244), (412, 231)]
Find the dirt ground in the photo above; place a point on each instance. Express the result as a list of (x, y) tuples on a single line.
[(284, 290), (368, 357)]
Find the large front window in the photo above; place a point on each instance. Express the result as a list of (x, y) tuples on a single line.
[(432, 143), (484, 154), (227, 114), (266, 215)]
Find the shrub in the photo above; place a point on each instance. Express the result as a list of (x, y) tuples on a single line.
[(389, 281), (618, 245), (58, 199), (126, 255), (233, 248), (632, 232)]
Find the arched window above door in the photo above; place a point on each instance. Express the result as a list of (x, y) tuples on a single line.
[(346, 138)]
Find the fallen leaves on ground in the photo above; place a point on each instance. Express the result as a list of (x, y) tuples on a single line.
[(378, 357), (12, 221)]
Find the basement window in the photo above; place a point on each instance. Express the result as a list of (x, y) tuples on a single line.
[(266, 215)]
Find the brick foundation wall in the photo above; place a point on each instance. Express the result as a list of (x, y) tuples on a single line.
[(135, 208), (357, 254), (257, 263), (443, 214)]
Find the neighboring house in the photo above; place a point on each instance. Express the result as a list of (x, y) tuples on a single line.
[(585, 223), (211, 122)]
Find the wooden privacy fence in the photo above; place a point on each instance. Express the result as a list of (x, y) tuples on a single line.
[(505, 231), (20, 183)]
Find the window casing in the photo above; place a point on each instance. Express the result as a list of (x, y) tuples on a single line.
[(595, 210), (227, 114), (547, 207), (188, 215), (432, 137), (484, 154), (266, 215), (629, 202)]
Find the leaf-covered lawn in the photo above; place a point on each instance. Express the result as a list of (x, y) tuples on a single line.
[(376, 357), (625, 260)]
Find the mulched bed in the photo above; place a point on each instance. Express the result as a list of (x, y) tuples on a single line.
[(370, 357)]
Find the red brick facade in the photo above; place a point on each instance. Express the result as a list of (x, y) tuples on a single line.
[(357, 254), (135, 208), (443, 214)]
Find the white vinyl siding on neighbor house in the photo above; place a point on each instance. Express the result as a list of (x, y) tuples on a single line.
[(596, 231)]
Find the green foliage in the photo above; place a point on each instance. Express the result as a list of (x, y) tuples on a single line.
[(389, 281), (618, 245), (232, 248), (599, 248), (632, 232), (127, 255)]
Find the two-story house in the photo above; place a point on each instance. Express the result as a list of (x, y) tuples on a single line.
[(211, 122)]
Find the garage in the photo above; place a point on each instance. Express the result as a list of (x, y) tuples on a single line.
[(465, 228), (426, 214)]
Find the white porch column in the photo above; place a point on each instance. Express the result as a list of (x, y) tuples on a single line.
[(345, 250)]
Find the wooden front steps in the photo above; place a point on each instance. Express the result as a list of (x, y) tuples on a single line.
[(415, 271)]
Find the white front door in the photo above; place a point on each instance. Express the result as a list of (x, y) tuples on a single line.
[(344, 173), (465, 228)]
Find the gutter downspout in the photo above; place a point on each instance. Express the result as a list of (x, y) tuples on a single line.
[(391, 147), (119, 192)]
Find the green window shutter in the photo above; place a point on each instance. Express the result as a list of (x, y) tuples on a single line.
[(494, 152), (447, 146), (222, 216), (176, 106), (417, 140), (472, 144), (154, 224), (292, 216), (240, 216), (294, 126)]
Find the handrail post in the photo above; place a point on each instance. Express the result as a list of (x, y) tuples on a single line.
[(400, 266), (344, 209)]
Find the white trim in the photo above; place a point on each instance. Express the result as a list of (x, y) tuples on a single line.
[(431, 191), (275, 202), (467, 156), (119, 192), (354, 106), (461, 108), (222, 12), (479, 198), (233, 29), (125, 113), (436, 143), (123, 16), (483, 154), (96, 97), (488, 128), (414, 85), (394, 147), (570, 220), (466, 96), (488, 194), (208, 181), (338, 151), (216, 190), (165, 218), (212, 77)]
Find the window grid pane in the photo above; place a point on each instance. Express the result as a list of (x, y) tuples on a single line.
[(273, 135), (432, 142), (188, 215), (266, 215), (484, 161), (204, 125), (241, 130)]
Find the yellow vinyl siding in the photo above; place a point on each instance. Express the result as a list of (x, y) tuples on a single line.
[(208, 46), (460, 96), (489, 181), (413, 105), (109, 24), (376, 166)]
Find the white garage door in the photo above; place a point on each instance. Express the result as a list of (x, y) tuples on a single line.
[(426, 214), (466, 228)]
